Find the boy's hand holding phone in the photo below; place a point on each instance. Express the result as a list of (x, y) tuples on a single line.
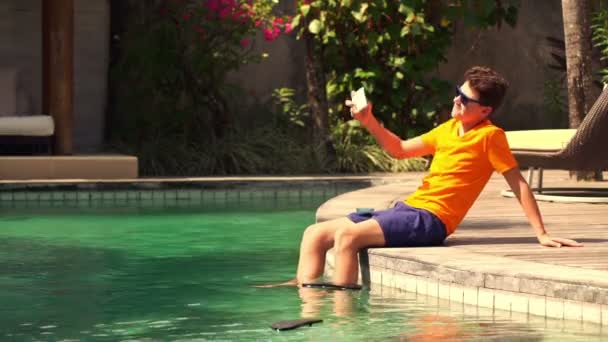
[(360, 109)]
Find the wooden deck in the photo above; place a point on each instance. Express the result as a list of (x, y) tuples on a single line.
[(497, 225)]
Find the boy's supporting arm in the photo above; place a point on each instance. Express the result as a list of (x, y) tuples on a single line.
[(524, 195)]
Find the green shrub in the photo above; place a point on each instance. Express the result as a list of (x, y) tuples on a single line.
[(599, 29), (393, 49), (171, 101)]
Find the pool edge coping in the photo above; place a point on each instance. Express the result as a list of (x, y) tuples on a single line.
[(424, 271)]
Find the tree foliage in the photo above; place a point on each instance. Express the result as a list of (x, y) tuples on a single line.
[(599, 30), (171, 90), (172, 104), (393, 49)]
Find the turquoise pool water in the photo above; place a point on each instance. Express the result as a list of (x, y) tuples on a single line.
[(185, 273)]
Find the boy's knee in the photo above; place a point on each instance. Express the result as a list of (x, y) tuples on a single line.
[(345, 238), (316, 237), (311, 230)]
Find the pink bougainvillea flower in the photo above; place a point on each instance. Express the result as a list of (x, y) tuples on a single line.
[(213, 5), (224, 12), (240, 16), (245, 42), (271, 33), (268, 34), (258, 23), (288, 28)]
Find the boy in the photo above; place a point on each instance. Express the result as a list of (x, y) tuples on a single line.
[(467, 149)]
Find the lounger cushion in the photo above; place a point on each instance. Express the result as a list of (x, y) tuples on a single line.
[(541, 140), (35, 125)]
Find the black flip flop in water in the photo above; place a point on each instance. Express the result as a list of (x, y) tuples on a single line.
[(330, 286), (296, 323)]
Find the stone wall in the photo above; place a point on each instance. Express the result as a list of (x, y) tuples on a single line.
[(520, 53), (284, 67), (21, 48)]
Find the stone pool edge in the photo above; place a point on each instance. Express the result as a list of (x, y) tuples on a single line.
[(453, 274)]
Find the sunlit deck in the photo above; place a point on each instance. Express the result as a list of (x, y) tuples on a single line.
[(493, 259)]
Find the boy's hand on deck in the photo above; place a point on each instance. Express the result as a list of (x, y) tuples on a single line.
[(549, 241), (363, 115)]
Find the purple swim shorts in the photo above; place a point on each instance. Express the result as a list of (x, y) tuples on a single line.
[(405, 226)]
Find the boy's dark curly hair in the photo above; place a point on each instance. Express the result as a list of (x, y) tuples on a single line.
[(490, 85)]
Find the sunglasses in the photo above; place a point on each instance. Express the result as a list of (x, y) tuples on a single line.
[(465, 99)]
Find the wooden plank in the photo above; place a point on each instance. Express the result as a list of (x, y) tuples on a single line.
[(498, 226)]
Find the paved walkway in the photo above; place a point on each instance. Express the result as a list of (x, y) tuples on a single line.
[(493, 260)]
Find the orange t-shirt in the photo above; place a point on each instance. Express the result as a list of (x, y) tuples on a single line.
[(461, 168)]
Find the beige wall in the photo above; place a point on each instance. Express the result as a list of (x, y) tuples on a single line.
[(284, 67), (21, 47), (91, 61), (521, 54)]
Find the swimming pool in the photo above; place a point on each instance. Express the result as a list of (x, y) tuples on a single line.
[(183, 270)]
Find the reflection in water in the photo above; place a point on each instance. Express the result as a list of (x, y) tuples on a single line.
[(437, 327), (313, 301), (425, 318)]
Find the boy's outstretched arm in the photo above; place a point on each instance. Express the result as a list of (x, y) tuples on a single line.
[(396, 147), (524, 195)]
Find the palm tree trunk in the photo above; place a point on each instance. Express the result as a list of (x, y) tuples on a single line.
[(577, 35), (578, 58), (317, 101)]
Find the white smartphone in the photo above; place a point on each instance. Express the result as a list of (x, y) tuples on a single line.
[(358, 98)]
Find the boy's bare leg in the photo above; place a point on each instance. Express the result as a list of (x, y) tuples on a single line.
[(316, 241), (348, 241)]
